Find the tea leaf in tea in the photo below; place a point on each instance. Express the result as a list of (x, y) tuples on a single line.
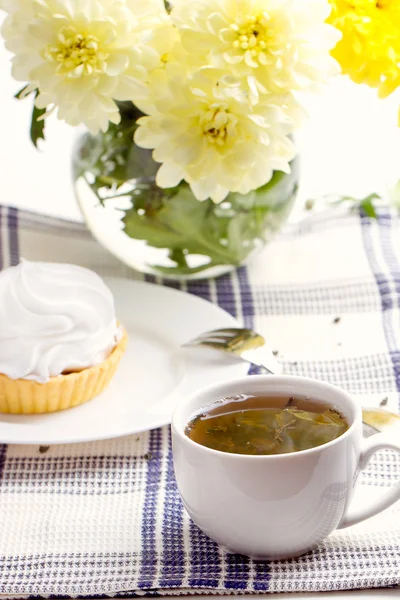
[(255, 426)]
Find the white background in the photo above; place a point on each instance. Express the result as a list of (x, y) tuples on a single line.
[(351, 145)]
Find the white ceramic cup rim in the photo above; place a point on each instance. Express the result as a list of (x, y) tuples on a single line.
[(179, 421)]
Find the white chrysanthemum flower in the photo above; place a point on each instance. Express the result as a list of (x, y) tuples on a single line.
[(206, 132), (278, 45), (82, 55)]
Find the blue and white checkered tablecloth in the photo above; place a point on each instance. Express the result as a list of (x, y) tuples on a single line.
[(105, 518)]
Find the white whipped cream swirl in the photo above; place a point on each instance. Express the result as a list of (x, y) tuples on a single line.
[(54, 318)]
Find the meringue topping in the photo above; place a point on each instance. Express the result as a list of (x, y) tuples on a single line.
[(54, 319)]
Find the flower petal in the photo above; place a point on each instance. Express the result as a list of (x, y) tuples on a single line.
[(169, 175), (117, 64)]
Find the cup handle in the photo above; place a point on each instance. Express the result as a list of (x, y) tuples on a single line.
[(352, 516)]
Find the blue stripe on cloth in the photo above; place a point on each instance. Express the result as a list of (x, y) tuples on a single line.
[(79, 573), (225, 294), (390, 300), (174, 560), (236, 564), (261, 570), (262, 576), (175, 285), (385, 221), (204, 560), (73, 475), (3, 456), (248, 310), (237, 568), (148, 567), (385, 229), (200, 288), (150, 278), (384, 288), (246, 297), (12, 223), (149, 594)]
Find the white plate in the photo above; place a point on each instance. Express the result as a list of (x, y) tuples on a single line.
[(153, 375)]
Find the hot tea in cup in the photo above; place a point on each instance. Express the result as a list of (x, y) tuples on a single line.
[(246, 424)]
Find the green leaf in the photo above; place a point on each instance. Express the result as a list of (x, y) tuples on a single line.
[(224, 234), (282, 185), (140, 163), (368, 207), (21, 94), (179, 221), (240, 229), (153, 231), (37, 127), (181, 270), (366, 204), (181, 224), (112, 157), (128, 112)]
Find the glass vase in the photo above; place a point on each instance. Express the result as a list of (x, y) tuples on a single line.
[(168, 232)]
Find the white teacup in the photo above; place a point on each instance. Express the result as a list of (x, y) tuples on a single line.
[(280, 506)]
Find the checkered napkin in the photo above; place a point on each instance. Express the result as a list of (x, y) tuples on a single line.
[(105, 518)]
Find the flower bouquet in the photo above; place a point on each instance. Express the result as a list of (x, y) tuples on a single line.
[(190, 107)]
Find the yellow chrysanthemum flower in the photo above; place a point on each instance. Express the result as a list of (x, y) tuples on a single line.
[(82, 56), (369, 51), (205, 131), (277, 45)]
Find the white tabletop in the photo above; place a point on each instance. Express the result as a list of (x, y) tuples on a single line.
[(350, 145)]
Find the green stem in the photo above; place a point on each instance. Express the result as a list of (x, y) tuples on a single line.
[(178, 256), (188, 270)]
